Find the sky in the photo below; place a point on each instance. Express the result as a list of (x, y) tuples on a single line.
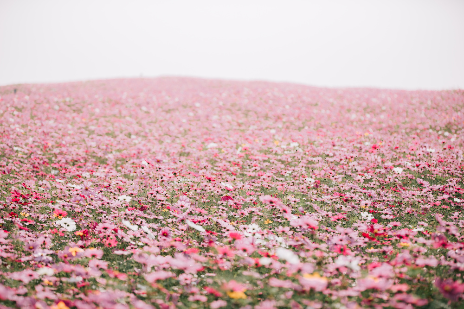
[(415, 44)]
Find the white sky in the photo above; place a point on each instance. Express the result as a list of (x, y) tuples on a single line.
[(415, 44)]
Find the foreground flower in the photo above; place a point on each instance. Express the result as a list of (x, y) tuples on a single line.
[(452, 290)]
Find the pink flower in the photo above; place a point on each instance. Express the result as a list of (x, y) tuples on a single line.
[(218, 304), (201, 298), (427, 261), (234, 286), (165, 232), (266, 304), (267, 199), (452, 290), (25, 276), (314, 281), (245, 246), (225, 251), (60, 213), (374, 283), (93, 253), (98, 264), (281, 283), (385, 270), (305, 222), (158, 275)]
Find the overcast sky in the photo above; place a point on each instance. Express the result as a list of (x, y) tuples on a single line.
[(388, 44)]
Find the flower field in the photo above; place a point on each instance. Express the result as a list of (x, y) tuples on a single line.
[(190, 193)]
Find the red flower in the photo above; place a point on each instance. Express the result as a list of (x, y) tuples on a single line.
[(235, 235), (213, 291)]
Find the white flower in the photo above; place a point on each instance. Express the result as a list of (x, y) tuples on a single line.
[(195, 226), (279, 240), (294, 144), (85, 174), (457, 200), (287, 255), (148, 231), (227, 185), (398, 170), (310, 180), (67, 223), (430, 150), (45, 271), (144, 162), (125, 198), (130, 226), (211, 145), (348, 262), (265, 261), (251, 230), (73, 279), (418, 229), (367, 216), (74, 186)]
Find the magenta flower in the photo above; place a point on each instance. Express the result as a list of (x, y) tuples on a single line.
[(452, 290)]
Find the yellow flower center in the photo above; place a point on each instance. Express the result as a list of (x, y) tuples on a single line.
[(46, 282), (237, 295), (60, 305), (74, 250), (314, 276)]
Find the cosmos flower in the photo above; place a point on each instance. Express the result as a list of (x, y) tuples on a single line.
[(314, 281), (130, 226), (367, 216), (268, 196), (67, 223), (124, 198), (195, 226), (349, 262), (287, 255), (452, 290), (165, 232)]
